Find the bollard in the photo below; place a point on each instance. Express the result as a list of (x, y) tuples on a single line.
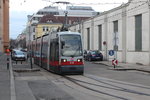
[(7, 63), (21, 61), (114, 66)]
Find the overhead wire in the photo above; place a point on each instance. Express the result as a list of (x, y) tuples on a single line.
[(120, 12), (98, 3), (106, 3)]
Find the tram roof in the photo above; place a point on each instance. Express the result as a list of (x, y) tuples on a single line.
[(68, 32)]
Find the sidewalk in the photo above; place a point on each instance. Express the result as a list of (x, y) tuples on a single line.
[(4, 78), (125, 66)]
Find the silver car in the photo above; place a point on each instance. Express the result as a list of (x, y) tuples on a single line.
[(18, 55)]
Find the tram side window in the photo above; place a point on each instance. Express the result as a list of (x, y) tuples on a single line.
[(56, 51), (44, 49), (51, 51)]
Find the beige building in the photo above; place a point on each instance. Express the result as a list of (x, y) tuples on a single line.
[(4, 25), (44, 28), (124, 29)]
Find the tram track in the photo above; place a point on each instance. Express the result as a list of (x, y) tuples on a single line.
[(94, 90), (102, 84), (115, 87), (117, 82), (75, 82)]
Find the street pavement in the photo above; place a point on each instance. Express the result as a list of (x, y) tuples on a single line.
[(15, 85), (125, 66), (4, 78)]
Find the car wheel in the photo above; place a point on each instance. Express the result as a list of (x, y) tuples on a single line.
[(101, 59)]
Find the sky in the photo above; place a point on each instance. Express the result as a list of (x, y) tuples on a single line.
[(19, 9)]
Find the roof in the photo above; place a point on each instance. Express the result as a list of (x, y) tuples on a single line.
[(61, 19), (68, 32)]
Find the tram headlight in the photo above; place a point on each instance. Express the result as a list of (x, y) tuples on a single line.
[(79, 60), (63, 60)]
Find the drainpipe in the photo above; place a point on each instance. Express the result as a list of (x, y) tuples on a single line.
[(149, 26), (106, 38), (92, 33), (124, 35)]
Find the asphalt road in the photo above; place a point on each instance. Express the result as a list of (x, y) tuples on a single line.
[(97, 83), (136, 77)]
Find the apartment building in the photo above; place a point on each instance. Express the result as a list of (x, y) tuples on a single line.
[(4, 25)]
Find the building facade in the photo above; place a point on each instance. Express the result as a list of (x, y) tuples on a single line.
[(125, 29), (35, 28), (4, 25)]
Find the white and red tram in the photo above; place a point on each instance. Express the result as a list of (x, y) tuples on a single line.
[(60, 52)]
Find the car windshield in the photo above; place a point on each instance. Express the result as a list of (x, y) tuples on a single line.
[(71, 45), (19, 53), (95, 52)]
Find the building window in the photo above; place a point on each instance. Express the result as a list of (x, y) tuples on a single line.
[(45, 29), (79, 31), (115, 26), (138, 32), (88, 38), (34, 29), (33, 37), (115, 37), (100, 37)]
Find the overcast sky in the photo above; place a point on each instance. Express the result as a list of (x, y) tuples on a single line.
[(19, 9)]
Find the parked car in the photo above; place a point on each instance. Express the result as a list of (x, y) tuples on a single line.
[(94, 55), (18, 55)]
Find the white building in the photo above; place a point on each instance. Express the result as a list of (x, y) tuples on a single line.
[(80, 11), (127, 26)]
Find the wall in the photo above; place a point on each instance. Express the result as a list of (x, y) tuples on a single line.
[(1, 24), (39, 28), (4, 25), (132, 55), (125, 15)]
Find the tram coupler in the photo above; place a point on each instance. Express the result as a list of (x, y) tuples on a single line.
[(7, 63)]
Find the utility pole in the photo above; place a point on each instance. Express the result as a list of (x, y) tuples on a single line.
[(66, 19), (30, 51)]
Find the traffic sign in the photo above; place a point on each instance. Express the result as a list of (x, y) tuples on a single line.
[(111, 52), (114, 62)]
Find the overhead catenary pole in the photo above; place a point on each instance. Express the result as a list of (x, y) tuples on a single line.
[(66, 19), (30, 52)]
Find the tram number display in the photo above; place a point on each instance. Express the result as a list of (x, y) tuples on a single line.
[(71, 62)]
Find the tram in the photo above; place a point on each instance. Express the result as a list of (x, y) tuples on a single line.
[(59, 52)]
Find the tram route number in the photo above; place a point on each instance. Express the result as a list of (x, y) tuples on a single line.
[(71, 62)]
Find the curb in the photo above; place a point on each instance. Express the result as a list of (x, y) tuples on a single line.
[(123, 69), (143, 70), (26, 70), (101, 64)]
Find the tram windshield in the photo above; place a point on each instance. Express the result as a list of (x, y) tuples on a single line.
[(71, 45)]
